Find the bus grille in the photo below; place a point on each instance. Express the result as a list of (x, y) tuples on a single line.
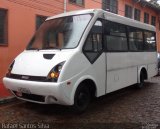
[(29, 78), (33, 97)]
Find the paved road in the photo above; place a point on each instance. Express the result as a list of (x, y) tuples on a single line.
[(127, 108)]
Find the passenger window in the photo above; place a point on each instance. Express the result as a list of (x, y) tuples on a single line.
[(135, 39), (115, 37), (150, 41), (93, 45)]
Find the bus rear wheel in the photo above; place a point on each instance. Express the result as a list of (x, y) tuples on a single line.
[(141, 83), (82, 99)]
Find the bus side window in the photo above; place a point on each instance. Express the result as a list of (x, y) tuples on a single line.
[(135, 39), (115, 37), (150, 41), (93, 45)]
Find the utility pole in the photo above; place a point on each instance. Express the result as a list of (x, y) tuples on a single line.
[(65, 6)]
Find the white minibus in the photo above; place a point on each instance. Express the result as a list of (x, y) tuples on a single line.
[(78, 55)]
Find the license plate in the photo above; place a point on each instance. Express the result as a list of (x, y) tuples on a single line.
[(24, 90)]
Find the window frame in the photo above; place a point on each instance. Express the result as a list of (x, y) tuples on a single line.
[(102, 50), (127, 36), (155, 40), (91, 14), (146, 17), (135, 38), (108, 7), (75, 3), (5, 31), (137, 14), (153, 20), (104, 46), (126, 11), (106, 49)]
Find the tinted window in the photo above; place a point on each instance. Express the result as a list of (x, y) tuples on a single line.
[(93, 44), (135, 39), (115, 37), (150, 41)]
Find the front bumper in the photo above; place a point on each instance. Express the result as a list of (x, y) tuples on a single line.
[(38, 92)]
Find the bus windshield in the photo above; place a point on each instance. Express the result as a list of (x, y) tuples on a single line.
[(60, 33)]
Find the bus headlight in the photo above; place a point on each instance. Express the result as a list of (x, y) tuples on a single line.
[(55, 72), (10, 69)]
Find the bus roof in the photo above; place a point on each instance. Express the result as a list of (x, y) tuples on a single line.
[(86, 11), (109, 16)]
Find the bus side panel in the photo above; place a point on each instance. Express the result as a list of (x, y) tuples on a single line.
[(120, 72), (152, 65), (121, 78), (98, 71), (123, 67), (152, 70)]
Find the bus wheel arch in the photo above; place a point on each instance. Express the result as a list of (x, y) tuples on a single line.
[(144, 71), (87, 90), (142, 75), (91, 85)]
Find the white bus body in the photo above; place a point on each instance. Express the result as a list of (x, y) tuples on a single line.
[(80, 54)]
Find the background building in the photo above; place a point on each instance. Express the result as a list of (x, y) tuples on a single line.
[(19, 19)]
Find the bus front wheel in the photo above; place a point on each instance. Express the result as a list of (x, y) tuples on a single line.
[(82, 98)]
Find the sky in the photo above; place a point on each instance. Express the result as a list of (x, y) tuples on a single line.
[(157, 1)]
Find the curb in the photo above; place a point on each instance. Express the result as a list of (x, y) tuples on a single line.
[(7, 99)]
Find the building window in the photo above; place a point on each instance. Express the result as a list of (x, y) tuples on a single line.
[(40, 20), (137, 14), (3, 27), (110, 5), (128, 11), (153, 20), (146, 18), (77, 2)]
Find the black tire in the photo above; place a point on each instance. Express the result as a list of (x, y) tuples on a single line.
[(140, 85), (82, 99)]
